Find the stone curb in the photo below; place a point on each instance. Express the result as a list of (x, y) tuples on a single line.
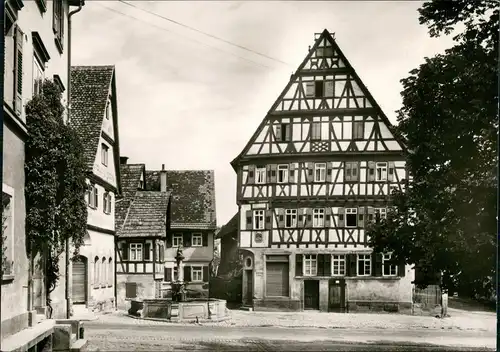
[(193, 321)]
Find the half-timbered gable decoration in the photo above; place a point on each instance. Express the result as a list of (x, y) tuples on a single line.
[(319, 168), (94, 117)]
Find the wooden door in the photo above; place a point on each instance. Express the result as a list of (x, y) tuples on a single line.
[(277, 279), (79, 280), (311, 294), (249, 293), (336, 295)]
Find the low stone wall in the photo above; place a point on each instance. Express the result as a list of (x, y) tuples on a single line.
[(379, 306)]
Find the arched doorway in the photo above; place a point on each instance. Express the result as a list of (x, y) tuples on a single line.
[(79, 279)]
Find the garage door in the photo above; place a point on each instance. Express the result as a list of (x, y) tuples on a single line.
[(276, 279), (79, 281)]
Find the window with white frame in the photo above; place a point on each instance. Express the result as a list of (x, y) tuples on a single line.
[(104, 154), (381, 171), (316, 131), (135, 252), (351, 171), (319, 172), (260, 175), (318, 217), (380, 213), (258, 219), (388, 268), (177, 240), (291, 218), (364, 264), (106, 198), (351, 217), (93, 195), (38, 74), (310, 265), (338, 265), (282, 173), (196, 240), (196, 273)]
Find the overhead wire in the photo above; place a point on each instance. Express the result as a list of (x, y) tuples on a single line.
[(188, 38), (205, 33)]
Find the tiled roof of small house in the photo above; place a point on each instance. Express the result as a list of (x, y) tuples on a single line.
[(193, 197), (89, 94), (230, 228), (146, 215), (131, 174)]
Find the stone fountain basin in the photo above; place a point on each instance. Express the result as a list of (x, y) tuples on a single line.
[(187, 311)]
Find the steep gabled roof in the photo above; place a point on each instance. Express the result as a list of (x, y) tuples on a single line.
[(146, 215), (344, 68), (90, 87), (230, 228), (130, 176), (193, 197)]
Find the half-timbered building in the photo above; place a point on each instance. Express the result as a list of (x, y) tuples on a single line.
[(94, 116), (193, 226), (320, 166), (142, 222)]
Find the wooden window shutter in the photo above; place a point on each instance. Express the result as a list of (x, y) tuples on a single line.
[(300, 218), (96, 197), (272, 178), (298, 265), (18, 71), (329, 89), (361, 217), (355, 171), (251, 174), (321, 264), (310, 172), (147, 251), (328, 172), (390, 173), (370, 214), (125, 251), (347, 171), (187, 273), (310, 91), (162, 253), (327, 267), (278, 133), (291, 175), (371, 171), (281, 217), (55, 15), (205, 274), (130, 290), (401, 269), (169, 240), (168, 274), (309, 217), (249, 224), (205, 239), (351, 262), (269, 219), (186, 240), (268, 172), (328, 216), (376, 264), (288, 132), (341, 214)]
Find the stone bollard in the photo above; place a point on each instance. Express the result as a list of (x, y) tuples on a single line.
[(61, 339)]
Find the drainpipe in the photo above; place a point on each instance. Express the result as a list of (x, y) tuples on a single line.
[(80, 5)]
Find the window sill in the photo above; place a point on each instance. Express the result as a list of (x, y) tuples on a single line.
[(95, 287), (110, 286), (7, 279), (390, 278)]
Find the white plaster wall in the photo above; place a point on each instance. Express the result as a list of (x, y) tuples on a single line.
[(107, 173), (97, 217)]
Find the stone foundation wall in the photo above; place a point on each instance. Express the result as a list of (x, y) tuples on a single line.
[(282, 305), (379, 306), (145, 288)]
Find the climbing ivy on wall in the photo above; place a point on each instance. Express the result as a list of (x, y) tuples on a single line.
[(55, 182)]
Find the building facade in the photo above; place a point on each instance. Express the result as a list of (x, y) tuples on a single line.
[(94, 116), (143, 221), (321, 166), (193, 226)]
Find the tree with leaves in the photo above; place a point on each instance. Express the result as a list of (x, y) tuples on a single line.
[(55, 177), (445, 221)]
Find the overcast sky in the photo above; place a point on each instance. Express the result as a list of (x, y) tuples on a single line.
[(191, 101)]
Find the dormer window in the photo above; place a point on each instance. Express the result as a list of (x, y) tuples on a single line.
[(141, 184), (104, 154)]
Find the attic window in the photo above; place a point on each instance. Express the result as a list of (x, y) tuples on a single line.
[(324, 52), (104, 154), (108, 109)]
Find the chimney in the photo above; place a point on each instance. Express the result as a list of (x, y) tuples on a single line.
[(123, 160), (163, 178)]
